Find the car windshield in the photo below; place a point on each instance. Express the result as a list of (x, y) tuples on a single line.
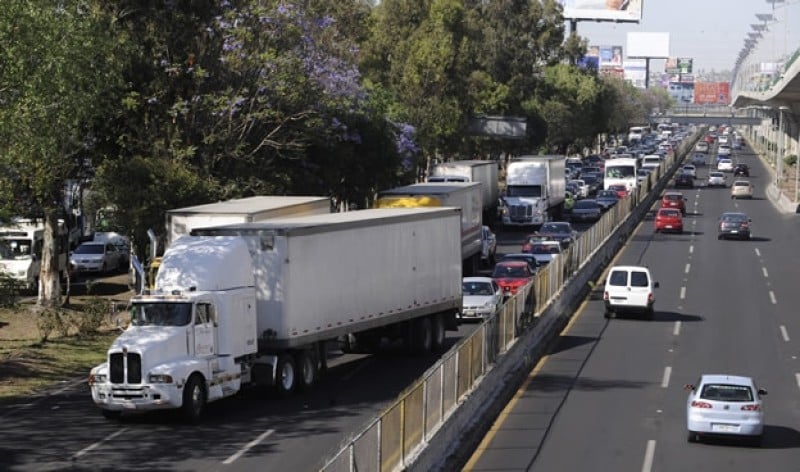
[(477, 288), (161, 314), (620, 172), (510, 271), (727, 393), (544, 249), (554, 228), (669, 213), (716, 174), (734, 218), (89, 249), (585, 204)]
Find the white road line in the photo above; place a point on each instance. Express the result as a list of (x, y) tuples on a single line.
[(772, 297), (764, 270), (784, 333), (248, 446), (683, 293), (649, 453), (677, 329), (665, 378), (97, 444), (758, 253), (688, 266), (797, 378), (691, 249)]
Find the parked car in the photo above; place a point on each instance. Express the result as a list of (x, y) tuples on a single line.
[(561, 231), (606, 199), (716, 179), (96, 256), (512, 275), (629, 289), (741, 170), (481, 297), (741, 189), (668, 219), (674, 200), (725, 406), (734, 225), (684, 181), (488, 246), (586, 210)]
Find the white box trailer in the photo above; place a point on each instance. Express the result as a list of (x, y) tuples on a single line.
[(181, 221), (484, 172), (256, 303), (466, 196), (535, 190)]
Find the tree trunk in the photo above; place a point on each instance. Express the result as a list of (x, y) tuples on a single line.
[(49, 277)]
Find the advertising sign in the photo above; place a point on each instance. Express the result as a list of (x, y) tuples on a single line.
[(648, 45), (603, 10), (610, 56), (712, 93), (685, 65)]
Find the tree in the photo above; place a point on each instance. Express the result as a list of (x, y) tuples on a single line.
[(58, 76)]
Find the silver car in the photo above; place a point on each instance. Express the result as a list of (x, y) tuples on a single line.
[(96, 256), (716, 179), (481, 297), (725, 406)]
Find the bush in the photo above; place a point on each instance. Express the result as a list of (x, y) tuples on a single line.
[(10, 288), (89, 321), (790, 160), (52, 321)]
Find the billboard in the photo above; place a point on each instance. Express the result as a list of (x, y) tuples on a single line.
[(644, 45), (603, 10), (610, 56), (712, 93), (636, 72), (678, 65), (681, 92)]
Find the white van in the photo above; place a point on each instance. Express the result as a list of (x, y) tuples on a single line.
[(651, 161), (629, 289)]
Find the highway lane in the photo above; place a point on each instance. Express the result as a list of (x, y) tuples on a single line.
[(609, 396)]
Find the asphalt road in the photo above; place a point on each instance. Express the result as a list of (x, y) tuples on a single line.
[(610, 394)]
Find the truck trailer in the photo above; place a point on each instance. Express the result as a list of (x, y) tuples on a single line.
[(465, 196), (484, 172), (535, 190), (259, 303)]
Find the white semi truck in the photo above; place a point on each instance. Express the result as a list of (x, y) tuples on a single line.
[(257, 304), (465, 196), (535, 190), (484, 172)]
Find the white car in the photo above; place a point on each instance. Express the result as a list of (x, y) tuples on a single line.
[(583, 188), (488, 245), (741, 189), (725, 406), (629, 289), (545, 251), (725, 165), (690, 170), (716, 179), (481, 297), (724, 150), (96, 256), (701, 146), (722, 139)]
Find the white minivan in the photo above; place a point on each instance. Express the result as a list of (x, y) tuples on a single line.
[(629, 289)]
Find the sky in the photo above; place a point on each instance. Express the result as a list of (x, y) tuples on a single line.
[(712, 32)]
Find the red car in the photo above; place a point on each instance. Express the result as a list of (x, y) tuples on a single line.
[(511, 275), (669, 219), (622, 191), (674, 200)]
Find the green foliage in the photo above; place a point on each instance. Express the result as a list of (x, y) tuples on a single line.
[(95, 312), (790, 160), (10, 289), (53, 322)]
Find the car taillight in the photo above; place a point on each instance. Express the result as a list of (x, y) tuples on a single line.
[(699, 404), (651, 297), (751, 408), (605, 296)]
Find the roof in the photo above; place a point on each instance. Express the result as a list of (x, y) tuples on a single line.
[(513, 263), (630, 267), (487, 280), (723, 378), (249, 204)]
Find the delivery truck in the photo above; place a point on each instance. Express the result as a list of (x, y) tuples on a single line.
[(465, 196), (260, 303), (484, 172), (535, 190)]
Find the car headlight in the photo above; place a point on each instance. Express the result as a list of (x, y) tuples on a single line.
[(159, 378), (488, 304), (97, 379)]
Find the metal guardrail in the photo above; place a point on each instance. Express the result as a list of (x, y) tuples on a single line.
[(387, 443)]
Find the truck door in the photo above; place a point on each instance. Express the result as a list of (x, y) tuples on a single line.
[(204, 330)]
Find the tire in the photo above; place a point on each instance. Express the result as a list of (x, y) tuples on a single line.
[(692, 437), (194, 399), (607, 314), (286, 375), (306, 362), (438, 332), (756, 441), (649, 313), (421, 341), (111, 414)]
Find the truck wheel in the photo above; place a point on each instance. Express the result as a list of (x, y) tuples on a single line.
[(306, 363), (194, 399), (421, 335), (437, 323), (286, 380), (111, 414)]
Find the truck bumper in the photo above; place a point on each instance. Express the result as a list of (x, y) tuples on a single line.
[(534, 220), (143, 397)]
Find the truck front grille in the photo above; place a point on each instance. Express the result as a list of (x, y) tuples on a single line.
[(520, 211), (118, 369)]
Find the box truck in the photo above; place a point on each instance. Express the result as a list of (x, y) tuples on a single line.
[(484, 172), (258, 303), (535, 190), (465, 196)]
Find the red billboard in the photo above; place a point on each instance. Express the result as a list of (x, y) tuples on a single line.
[(712, 93)]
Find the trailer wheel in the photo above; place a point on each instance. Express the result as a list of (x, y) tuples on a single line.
[(437, 323), (306, 363), (421, 335), (286, 380), (194, 399)]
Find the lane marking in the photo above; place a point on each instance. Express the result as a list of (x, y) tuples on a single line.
[(691, 249), (772, 297), (677, 329), (683, 293), (88, 449), (784, 333), (797, 378), (649, 453), (688, 266), (665, 377), (758, 253), (764, 270), (248, 446)]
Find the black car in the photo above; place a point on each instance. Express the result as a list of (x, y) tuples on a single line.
[(606, 198), (741, 170), (684, 181), (560, 231), (734, 225)]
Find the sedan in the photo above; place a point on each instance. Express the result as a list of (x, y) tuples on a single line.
[(716, 179), (512, 275), (96, 256), (606, 199), (734, 225), (668, 219), (586, 210), (559, 231), (725, 165), (522, 256), (481, 297), (546, 251), (699, 160), (684, 181), (689, 170), (741, 189), (725, 406)]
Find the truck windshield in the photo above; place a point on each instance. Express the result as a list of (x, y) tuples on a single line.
[(161, 314), (620, 172), (15, 248), (524, 191)]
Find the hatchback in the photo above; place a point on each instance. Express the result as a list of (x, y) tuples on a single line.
[(674, 200), (668, 219), (741, 189), (716, 179), (725, 406), (481, 297), (512, 275), (689, 169)]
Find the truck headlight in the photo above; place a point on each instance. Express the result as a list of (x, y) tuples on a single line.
[(159, 378), (97, 379)]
